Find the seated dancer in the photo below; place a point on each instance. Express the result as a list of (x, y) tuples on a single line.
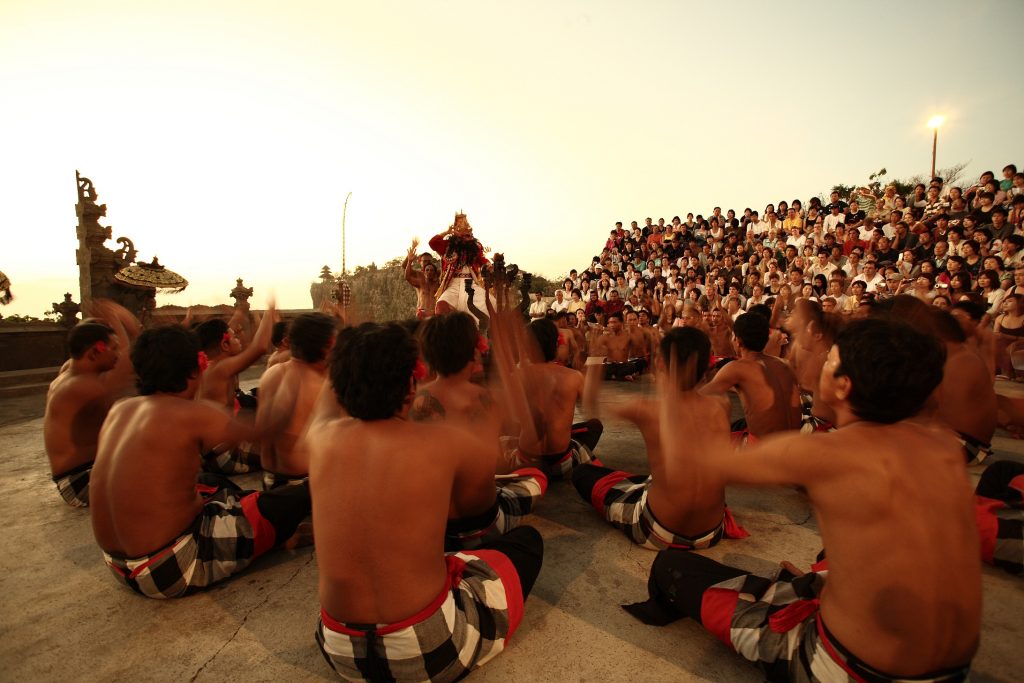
[(966, 398), (462, 256), (766, 385), (424, 282), (644, 343), (691, 504), (452, 347), (555, 444), (78, 400), (571, 342), (622, 351), (227, 359), (289, 391), (813, 332), (280, 342), (892, 605), (398, 607), (160, 535), (999, 501), (720, 333)]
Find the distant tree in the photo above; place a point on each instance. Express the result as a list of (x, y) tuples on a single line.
[(877, 181), (544, 284), (382, 294)]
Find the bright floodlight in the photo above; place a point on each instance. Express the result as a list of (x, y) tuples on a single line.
[(936, 121)]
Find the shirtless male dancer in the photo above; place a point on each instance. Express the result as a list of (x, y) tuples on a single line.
[(393, 604), (690, 502), (424, 282), (766, 385), (720, 334), (622, 351), (227, 359), (644, 343), (892, 604), (99, 372), (160, 535), (812, 332), (557, 445), (966, 398), (280, 342), (452, 346), (570, 351), (289, 391)]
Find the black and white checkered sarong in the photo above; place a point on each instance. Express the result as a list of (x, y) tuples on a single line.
[(999, 512), (516, 496), (776, 625), (241, 459), (273, 480), (468, 624), (229, 533), (73, 485), (621, 498)]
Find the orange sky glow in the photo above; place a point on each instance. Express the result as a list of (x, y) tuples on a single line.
[(224, 136)]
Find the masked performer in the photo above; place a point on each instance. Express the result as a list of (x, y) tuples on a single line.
[(462, 256)]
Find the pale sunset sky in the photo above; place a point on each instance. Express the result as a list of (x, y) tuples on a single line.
[(224, 136)]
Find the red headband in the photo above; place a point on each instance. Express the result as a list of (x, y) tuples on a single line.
[(419, 371)]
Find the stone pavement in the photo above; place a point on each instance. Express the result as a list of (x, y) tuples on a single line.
[(63, 616)]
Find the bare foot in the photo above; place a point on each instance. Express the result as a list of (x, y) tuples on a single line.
[(791, 568), (302, 537)]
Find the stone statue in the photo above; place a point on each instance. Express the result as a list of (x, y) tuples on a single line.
[(241, 295), (68, 311), (5, 289), (98, 264)]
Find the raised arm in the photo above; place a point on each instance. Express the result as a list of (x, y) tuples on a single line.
[(411, 276), (216, 426), (233, 365), (725, 379), (437, 242), (511, 375), (126, 327)]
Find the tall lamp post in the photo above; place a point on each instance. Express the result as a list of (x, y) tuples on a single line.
[(934, 123)]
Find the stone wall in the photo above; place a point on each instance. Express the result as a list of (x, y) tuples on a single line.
[(27, 346)]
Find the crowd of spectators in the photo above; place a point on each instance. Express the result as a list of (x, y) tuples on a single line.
[(951, 246)]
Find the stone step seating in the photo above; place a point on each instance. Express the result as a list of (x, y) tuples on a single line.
[(26, 382)]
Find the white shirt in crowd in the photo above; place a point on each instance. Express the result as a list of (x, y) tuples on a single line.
[(831, 222), (874, 283)]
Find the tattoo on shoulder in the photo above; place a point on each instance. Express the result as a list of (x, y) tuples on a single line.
[(426, 408), (486, 401)]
